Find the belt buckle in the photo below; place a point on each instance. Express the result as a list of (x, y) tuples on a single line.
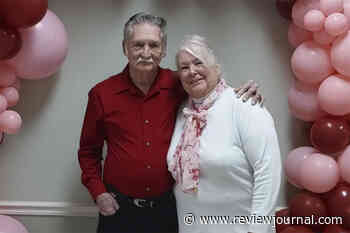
[(142, 203)]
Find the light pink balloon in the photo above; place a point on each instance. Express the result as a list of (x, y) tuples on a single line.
[(344, 164), (293, 163), (7, 75), (11, 94), (331, 6), (323, 38), (297, 35), (340, 54), (10, 122), (301, 7), (3, 103), (346, 6), (336, 24), (319, 173), (44, 49), (334, 95), (311, 62), (314, 20), (11, 225), (303, 102)]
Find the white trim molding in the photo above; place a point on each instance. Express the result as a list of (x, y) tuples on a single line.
[(41, 208)]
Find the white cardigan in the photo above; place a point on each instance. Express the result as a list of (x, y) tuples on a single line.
[(240, 168)]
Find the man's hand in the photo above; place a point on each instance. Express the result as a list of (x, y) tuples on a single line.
[(250, 90), (107, 204)]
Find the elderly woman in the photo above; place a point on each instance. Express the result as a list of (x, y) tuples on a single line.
[(224, 154)]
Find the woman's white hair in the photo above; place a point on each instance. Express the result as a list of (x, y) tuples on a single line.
[(197, 46)]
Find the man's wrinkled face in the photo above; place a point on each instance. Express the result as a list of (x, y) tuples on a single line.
[(144, 48)]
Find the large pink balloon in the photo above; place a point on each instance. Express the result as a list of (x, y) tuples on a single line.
[(10, 122), (334, 95), (311, 62), (3, 103), (336, 24), (303, 102), (7, 75), (344, 164), (319, 173), (323, 38), (44, 49), (331, 6), (11, 225), (11, 94), (340, 54), (297, 35), (301, 7), (293, 162), (314, 20)]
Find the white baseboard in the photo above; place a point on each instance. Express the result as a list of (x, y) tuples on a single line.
[(31, 208)]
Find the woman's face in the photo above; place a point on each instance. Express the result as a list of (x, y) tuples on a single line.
[(197, 79)]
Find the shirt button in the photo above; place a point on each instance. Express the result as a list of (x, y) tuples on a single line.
[(148, 166), (146, 121), (148, 189), (148, 143)]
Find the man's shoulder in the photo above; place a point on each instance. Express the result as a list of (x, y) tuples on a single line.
[(108, 84)]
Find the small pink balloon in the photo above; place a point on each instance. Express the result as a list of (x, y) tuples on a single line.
[(11, 225), (314, 20), (334, 95), (44, 49), (303, 102), (7, 75), (11, 94), (323, 38), (336, 24), (10, 122), (293, 163), (297, 35), (340, 54), (311, 62), (331, 6), (3, 103), (17, 84), (344, 164), (319, 173), (301, 7)]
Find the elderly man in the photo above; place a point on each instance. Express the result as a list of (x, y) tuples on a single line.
[(134, 112)]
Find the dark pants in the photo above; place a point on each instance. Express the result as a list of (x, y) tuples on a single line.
[(132, 219)]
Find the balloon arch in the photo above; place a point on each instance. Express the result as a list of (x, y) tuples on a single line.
[(320, 94)]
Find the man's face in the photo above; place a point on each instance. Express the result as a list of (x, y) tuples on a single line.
[(144, 49)]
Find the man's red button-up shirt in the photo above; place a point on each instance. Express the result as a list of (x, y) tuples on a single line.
[(137, 129)]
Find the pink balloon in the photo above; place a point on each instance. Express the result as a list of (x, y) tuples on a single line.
[(311, 62), (340, 54), (319, 173), (11, 225), (7, 75), (297, 35), (344, 164), (346, 6), (11, 94), (3, 103), (336, 24), (331, 6), (301, 7), (10, 122), (334, 95), (44, 49), (323, 38), (314, 20), (303, 102), (293, 163)]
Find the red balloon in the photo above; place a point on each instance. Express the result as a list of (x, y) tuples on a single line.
[(283, 213), (330, 134), (10, 43), (308, 206), (335, 229), (22, 13), (285, 7), (338, 204), (297, 229)]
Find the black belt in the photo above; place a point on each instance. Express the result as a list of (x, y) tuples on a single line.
[(140, 202)]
